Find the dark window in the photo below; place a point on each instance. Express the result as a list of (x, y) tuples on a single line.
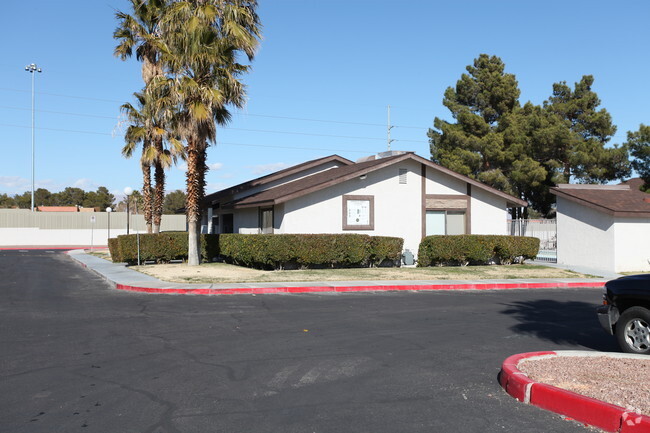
[(266, 221), (228, 225)]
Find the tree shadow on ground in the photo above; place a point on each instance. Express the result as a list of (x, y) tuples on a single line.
[(566, 323)]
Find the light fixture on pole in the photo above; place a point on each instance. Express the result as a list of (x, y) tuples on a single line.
[(31, 69), (108, 211), (128, 191)]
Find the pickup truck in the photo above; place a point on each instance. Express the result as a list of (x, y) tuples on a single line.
[(626, 312)]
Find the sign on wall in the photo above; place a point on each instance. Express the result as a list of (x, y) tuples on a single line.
[(358, 212)]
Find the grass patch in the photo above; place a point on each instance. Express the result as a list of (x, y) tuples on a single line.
[(101, 253), (225, 273)]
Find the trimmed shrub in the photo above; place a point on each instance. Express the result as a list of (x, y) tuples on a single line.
[(385, 250), (280, 251), (162, 247), (267, 251), (114, 249), (476, 249)]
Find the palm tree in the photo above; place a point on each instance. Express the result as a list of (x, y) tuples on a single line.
[(137, 133), (203, 39), (152, 126), (167, 146), (141, 32)]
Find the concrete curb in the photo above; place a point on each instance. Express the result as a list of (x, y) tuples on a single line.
[(605, 416), (128, 280), (349, 288)]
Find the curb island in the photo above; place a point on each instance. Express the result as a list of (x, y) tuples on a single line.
[(605, 416)]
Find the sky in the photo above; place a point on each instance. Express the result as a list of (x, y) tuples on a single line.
[(321, 83)]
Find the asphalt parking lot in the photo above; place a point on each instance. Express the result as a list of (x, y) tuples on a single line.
[(80, 356)]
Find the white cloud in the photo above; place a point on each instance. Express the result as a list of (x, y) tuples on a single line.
[(268, 168), (14, 183), (214, 187), (215, 166), (85, 184)]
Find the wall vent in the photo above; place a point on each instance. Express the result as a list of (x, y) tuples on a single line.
[(402, 176)]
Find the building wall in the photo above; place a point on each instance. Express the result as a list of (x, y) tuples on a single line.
[(33, 236), (19, 227), (632, 245), (246, 221), (489, 213), (441, 183), (397, 207), (585, 237), (24, 218)]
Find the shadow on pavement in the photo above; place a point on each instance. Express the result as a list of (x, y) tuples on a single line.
[(572, 323)]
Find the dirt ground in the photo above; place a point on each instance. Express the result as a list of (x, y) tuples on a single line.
[(615, 381), (225, 273)]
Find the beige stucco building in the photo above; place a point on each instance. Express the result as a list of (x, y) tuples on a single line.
[(604, 227), (390, 194)]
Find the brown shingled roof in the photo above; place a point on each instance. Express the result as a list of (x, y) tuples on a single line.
[(625, 200), (318, 181), (274, 176), (315, 182)]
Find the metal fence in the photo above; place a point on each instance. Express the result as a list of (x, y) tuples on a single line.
[(543, 229), (23, 218)]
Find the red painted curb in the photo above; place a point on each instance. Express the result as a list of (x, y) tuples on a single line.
[(585, 409), (79, 247), (377, 288)]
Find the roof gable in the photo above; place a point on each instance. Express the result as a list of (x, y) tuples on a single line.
[(325, 179)]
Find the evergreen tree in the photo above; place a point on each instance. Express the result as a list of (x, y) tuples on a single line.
[(70, 197), (100, 199), (524, 151), (24, 200), (490, 140), (639, 145), (7, 201), (174, 201), (583, 154)]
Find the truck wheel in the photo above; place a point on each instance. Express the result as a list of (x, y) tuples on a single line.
[(633, 330)]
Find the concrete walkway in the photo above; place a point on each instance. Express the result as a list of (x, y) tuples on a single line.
[(123, 278)]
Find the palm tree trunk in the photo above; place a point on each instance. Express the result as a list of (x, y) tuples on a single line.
[(146, 195), (195, 187), (159, 193)]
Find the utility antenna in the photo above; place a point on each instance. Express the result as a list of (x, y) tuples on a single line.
[(389, 141)]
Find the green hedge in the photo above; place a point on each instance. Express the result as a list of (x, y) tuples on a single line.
[(114, 248), (476, 249), (264, 251), (280, 251), (160, 247)]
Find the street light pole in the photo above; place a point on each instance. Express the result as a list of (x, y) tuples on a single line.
[(128, 191), (31, 69), (108, 211)]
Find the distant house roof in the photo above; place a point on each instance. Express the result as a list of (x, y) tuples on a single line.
[(625, 200), (327, 178), (57, 209)]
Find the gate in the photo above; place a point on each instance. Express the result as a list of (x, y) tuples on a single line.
[(543, 229)]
